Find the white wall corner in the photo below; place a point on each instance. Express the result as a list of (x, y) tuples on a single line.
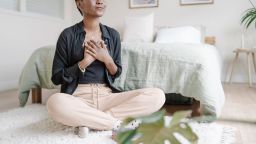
[(8, 85)]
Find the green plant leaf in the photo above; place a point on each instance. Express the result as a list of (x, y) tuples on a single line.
[(157, 133), (125, 137), (146, 119), (153, 131), (249, 17), (153, 117), (178, 116), (187, 133), (127, 120)]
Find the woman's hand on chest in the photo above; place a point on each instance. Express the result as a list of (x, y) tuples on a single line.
[(98, 50)]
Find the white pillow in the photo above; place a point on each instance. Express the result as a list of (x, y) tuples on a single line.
[(186, 34), (139, 29)]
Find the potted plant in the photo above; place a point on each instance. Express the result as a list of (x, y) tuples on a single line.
[(250, 16)]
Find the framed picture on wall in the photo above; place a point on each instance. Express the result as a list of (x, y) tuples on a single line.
[(194, 2), (143, 3)]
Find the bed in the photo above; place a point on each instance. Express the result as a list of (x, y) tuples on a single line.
[(192, 70)]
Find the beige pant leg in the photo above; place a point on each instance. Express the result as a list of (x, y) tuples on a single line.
[(73, 111), (133, 103)]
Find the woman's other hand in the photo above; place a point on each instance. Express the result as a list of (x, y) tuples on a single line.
[(98, 50), (88, 59)]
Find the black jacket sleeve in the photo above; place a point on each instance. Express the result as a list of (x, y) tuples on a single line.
[(62, 72), (117, 55)]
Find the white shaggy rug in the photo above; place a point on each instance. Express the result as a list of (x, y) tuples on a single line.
[(31, 125)]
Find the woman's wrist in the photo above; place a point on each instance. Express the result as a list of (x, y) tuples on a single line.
[(111, 66), (108, 60), (83, 64)]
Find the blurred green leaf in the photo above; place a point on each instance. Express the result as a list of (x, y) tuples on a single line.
[(125, 137), (153, 131), (127, 120), (153, 117), (146, 119), (178, 116)]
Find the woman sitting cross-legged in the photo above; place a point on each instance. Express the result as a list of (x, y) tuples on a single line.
[(86, 62)]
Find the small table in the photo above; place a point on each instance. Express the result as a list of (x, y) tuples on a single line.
[(250, 53)]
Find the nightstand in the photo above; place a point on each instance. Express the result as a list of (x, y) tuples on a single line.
[(250, 58)]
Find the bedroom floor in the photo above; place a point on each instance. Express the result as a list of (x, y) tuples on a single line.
[(239, 109)]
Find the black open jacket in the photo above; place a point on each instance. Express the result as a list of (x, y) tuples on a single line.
[(69, 52)]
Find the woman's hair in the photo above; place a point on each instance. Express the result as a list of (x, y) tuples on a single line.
[(79, 9)]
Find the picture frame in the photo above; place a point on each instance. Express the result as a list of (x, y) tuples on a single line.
[(195, 2), (143, 3)]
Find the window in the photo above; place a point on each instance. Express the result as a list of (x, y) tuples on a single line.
[(52, 8), (9, 4)]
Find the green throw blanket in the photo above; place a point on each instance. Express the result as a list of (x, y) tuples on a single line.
[(36, 73)]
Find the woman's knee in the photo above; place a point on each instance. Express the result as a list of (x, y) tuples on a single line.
[(160, 97), (157, 97), (56, 103)]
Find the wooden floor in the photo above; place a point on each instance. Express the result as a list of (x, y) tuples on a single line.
[(239, 110)]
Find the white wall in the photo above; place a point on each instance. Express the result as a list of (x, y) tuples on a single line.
[(20, 35), (222, 19)]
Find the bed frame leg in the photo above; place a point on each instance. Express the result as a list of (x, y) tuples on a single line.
[(196, 108), (37, 95)]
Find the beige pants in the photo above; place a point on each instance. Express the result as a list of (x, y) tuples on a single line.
[(95, 106)]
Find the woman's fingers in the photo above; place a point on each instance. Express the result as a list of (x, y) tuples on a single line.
[(92, 44), (86, 45), (91, 53), (91, 49), (96, 44), (103, 45)]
